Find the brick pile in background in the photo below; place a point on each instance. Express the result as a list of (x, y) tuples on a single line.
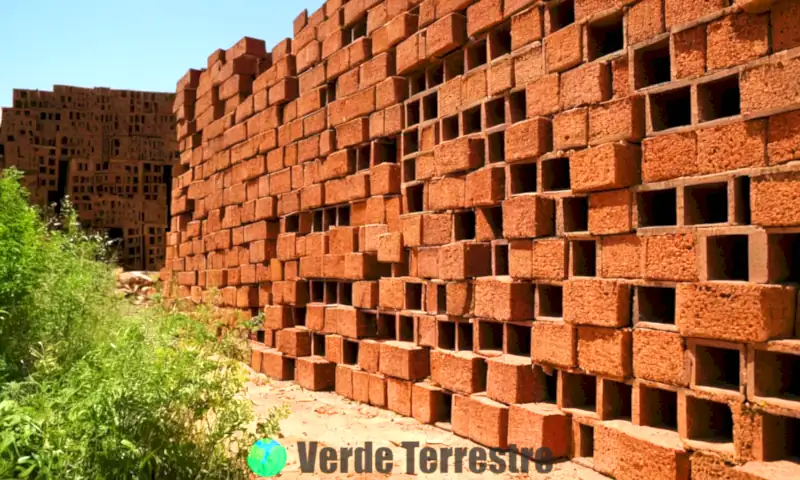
[(571, 224), (111, 151)]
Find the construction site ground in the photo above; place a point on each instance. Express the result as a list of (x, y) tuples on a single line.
[(334, 421)]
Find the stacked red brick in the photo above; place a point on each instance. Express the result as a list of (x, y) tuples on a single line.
[(111, 151), (568, 224)]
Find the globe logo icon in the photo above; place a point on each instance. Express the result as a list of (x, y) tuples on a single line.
[(266, 458)]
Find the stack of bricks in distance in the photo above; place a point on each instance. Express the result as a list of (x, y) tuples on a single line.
[(570, 224), (110, 151)]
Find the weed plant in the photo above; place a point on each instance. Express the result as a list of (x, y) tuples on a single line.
[(92, 387)]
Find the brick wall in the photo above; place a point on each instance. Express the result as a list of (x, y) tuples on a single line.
[(572, 224), (111, 151)]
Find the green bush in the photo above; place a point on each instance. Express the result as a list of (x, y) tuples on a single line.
[(93, 387)]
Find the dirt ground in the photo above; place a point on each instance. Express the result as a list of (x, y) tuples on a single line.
[(337, 422)]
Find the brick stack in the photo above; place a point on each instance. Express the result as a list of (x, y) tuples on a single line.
[(568, 224), (111, 151)]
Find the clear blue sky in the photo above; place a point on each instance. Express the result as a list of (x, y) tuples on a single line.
[(138, 45)]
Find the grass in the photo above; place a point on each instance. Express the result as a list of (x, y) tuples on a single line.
[(92, 387)]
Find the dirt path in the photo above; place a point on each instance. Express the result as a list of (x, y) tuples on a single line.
[(337, 422)]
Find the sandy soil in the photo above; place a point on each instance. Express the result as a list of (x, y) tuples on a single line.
[(333, 421)]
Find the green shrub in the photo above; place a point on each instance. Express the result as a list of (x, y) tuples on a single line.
[(93, 387)]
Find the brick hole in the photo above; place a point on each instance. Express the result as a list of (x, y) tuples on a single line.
[(412, 113), (317, 293), (727, 257), (493, 216), (490, 336), (387, 326), (385, 150), (500, 41), (328, 93), (658, 208), (706, 203), (605, 36), (345, 293), (496, 143), (331, 92), (717, 367), (350, 352), (518, 340), (784, 258), (385, 269), (441, 299), (413, 296), (410, 141), (476, 55), (741, 198), (655, 304), (555, 174), (551, 300), (517, 106), (464, 225), (371, 321), (409, 170), (316, 221), (290, 367), (416, 83), (464, 336), (652, 65), (401, 269), (580, 391), (343, 216), (719, 98), (260, 336), (711, 421), (500, 253), (671, 109), (430, 106), (446, 335), (435, 75), (584, 258), (331, 292), (576, 214), (359, 29), (317, 344), (523, 178), (786, 429), (562, 15), (775, 375), (617, 400), (550, 387), (471, 120), (454, 65), (445, 407), (323, 95), (450, 128), (292, 223), (299, 316), (658, 408), (363, 155), (329, 218), (405, 328), (414, 194), (586, 446), (495, 112)]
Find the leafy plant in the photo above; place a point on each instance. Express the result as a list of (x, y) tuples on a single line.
[(92, 387)]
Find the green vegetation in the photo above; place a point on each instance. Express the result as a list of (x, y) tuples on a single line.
[(93, 387)]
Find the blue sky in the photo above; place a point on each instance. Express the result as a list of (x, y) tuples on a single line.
[(138, 45)]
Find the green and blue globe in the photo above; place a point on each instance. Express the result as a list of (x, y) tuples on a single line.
[(266, 458)]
